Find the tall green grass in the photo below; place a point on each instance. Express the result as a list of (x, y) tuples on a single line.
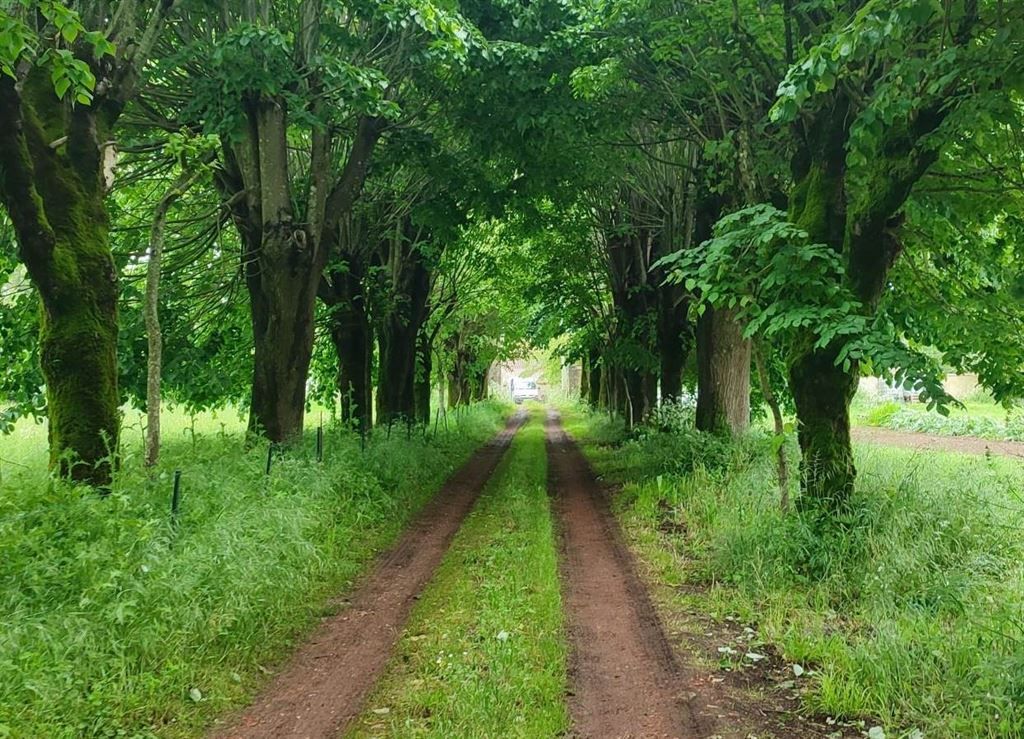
[(117, 623), (911, 611), (484, 654)]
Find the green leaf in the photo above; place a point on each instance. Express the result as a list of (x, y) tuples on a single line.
[(61, 85)]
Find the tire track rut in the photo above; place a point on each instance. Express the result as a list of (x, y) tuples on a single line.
[(623, 675)]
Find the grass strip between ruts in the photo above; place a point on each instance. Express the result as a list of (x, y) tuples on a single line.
[(484, 652)]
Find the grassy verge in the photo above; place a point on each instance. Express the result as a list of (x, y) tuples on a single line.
[(983, 420), (911, 613), (483, 654), (117, 623)]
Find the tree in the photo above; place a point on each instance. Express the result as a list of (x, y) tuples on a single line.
[(63, 88), (299, 115), (879, 92), (154, 360)]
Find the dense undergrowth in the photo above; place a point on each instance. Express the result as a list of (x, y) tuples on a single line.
[(911, 610), (118, 623), (483, 654)]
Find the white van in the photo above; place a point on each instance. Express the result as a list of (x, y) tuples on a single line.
[(524, 389)]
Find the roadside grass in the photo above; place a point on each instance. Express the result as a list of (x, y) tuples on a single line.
[(484, 652), (118, 623), (912, 611)]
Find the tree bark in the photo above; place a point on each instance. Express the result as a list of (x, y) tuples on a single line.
[(862, 231), (467, 382), (585, 377), (822, 392), (723, 374), (284, 256), (675, 338), (54, 195), (596, 381), (479, 385)]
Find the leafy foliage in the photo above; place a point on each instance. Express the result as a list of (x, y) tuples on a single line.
[(782, 287)]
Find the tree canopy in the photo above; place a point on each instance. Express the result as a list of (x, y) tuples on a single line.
[(369, 204)]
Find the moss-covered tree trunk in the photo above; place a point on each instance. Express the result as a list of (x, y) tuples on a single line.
[(52, 184), (78, 351), (822, 392), (862, 229), (723, 373)]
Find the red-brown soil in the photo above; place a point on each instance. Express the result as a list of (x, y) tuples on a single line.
[(624, 678), (629, 675)]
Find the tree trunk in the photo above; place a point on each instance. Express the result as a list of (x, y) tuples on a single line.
[(640, 395), (78, 351), (154, 337), (723, 374), (478, 384), (351, 333), (54, 196), (283, 299), (822, 392), (284, 252), (398, 339), (620, 395), (396, 375), (585, 378), (596, 381), (675, 338)]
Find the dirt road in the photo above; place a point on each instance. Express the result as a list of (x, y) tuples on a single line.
[(324, 684), (936, 442), (624, 678)]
